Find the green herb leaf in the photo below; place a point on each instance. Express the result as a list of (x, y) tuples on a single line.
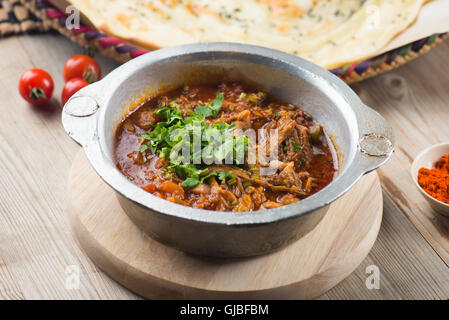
[(247, 184), (143, 148), (212, 108), (253, 98), (223, 175), (229, 177), (204, 111), (166, 138), (190, 182), (296, 146), (217, 102)]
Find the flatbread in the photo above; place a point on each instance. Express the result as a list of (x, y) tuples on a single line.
[(327, 32)]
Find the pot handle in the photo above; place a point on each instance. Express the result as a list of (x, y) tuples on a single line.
[(377, 142), (79, 113)]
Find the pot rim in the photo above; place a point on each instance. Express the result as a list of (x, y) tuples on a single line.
[(88, 128)]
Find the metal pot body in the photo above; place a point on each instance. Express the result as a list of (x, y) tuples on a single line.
[(206, 239), (364, 141)]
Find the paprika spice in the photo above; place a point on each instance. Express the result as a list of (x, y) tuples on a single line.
[(435, 181)]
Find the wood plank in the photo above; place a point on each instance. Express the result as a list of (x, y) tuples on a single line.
[(35, 155), (409, 268), (414, 98), (303, 270), (36, 240)]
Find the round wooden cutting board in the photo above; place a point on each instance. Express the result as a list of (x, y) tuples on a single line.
[(303, 270)]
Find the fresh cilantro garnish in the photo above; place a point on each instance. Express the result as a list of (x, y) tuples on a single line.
[(194, 181), (224, 175), (296, 146), (212, 108), (217, 102), (204, 111), (190, 182), (229, 177), (171, 139), (246, 184)]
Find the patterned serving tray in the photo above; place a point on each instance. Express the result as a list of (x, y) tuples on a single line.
[(52, 18)]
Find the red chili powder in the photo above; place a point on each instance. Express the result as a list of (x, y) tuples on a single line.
[(436, 181)]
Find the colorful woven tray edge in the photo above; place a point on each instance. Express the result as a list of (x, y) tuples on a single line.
[(122, 52), (388, 61), (16, 19)]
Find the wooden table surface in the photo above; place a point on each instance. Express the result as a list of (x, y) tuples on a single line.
[(36, 241)]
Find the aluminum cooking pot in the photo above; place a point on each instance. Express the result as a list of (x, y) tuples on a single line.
[(363, 138)]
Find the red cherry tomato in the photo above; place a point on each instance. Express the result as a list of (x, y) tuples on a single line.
[(81, 66), (71, 87), (36, 86)]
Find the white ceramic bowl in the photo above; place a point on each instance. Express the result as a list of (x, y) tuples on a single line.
[(427, 159)]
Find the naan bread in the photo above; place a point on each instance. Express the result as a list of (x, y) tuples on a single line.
[(327, 32)]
